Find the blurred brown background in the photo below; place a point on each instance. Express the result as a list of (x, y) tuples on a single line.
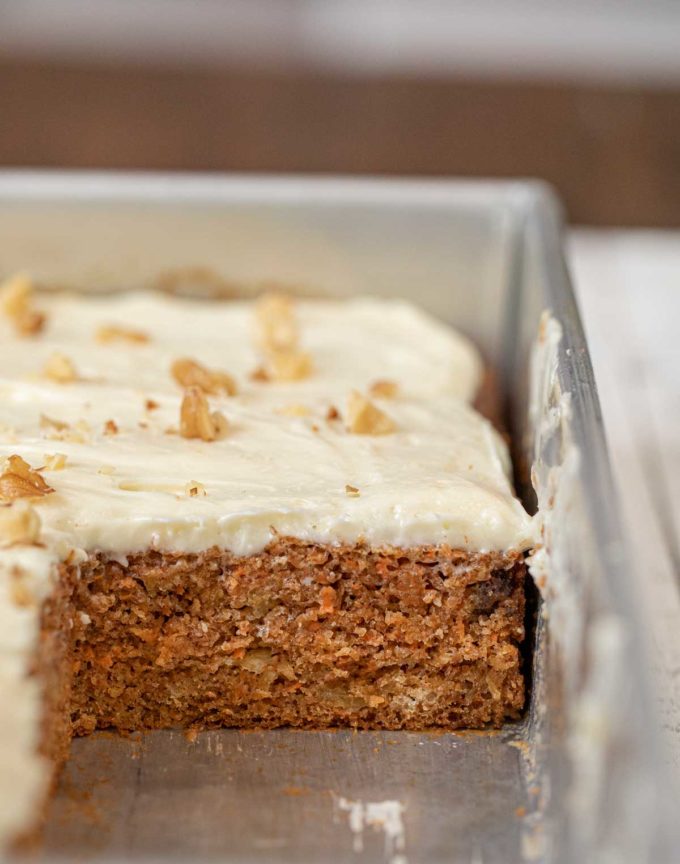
[(585, 95)]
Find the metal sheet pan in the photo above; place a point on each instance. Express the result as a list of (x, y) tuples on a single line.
[(579, 778)]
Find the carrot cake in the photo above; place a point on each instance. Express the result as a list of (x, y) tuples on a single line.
[(245, 513)]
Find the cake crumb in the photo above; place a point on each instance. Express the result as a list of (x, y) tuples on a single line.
[(196, 421), (114, 333), (295, 791), (110, 427), (60, 368), (189, 373), (19, 480), (151, 405), (364, 418), (352, 491), (332, 413), (327, 598)]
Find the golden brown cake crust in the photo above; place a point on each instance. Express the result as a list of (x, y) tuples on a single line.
[(300, 635)]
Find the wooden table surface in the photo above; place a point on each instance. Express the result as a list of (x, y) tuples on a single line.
[(628, 286)]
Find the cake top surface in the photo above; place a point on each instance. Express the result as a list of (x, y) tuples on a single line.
[(350, 421)]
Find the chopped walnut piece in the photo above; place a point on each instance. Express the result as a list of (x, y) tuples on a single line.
[(196, 421), (363, 418), (57, 430), (193, 489), (19, 480), (110, 427), (276, 326), (21, 593), (16, 295), (189, 373), (144, 486), (294, 410), (383, 389), (54, 462), (289, 365), (114, 333), (352, 491), (49, 423), (259, 374), (19, 524), (29, 323), (60, 369)]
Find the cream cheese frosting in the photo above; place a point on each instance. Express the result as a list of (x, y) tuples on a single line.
[(441, 477)]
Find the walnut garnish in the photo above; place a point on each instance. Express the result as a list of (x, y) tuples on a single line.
[(49, 423), (19, 480), (352, 491), (57, 430), (110, 427), (196, 421), (189, 373), (16, 297), (21, 593), (363, 418), (384, 389), (54, 462), (19, 524), (259, 374), (294, 410), (60, 369), (289, 365), (114, 333), (30, 323), (193, 489), (276, 325), (15, 294)]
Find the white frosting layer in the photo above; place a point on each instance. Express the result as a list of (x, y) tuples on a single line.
[(442, 477)]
